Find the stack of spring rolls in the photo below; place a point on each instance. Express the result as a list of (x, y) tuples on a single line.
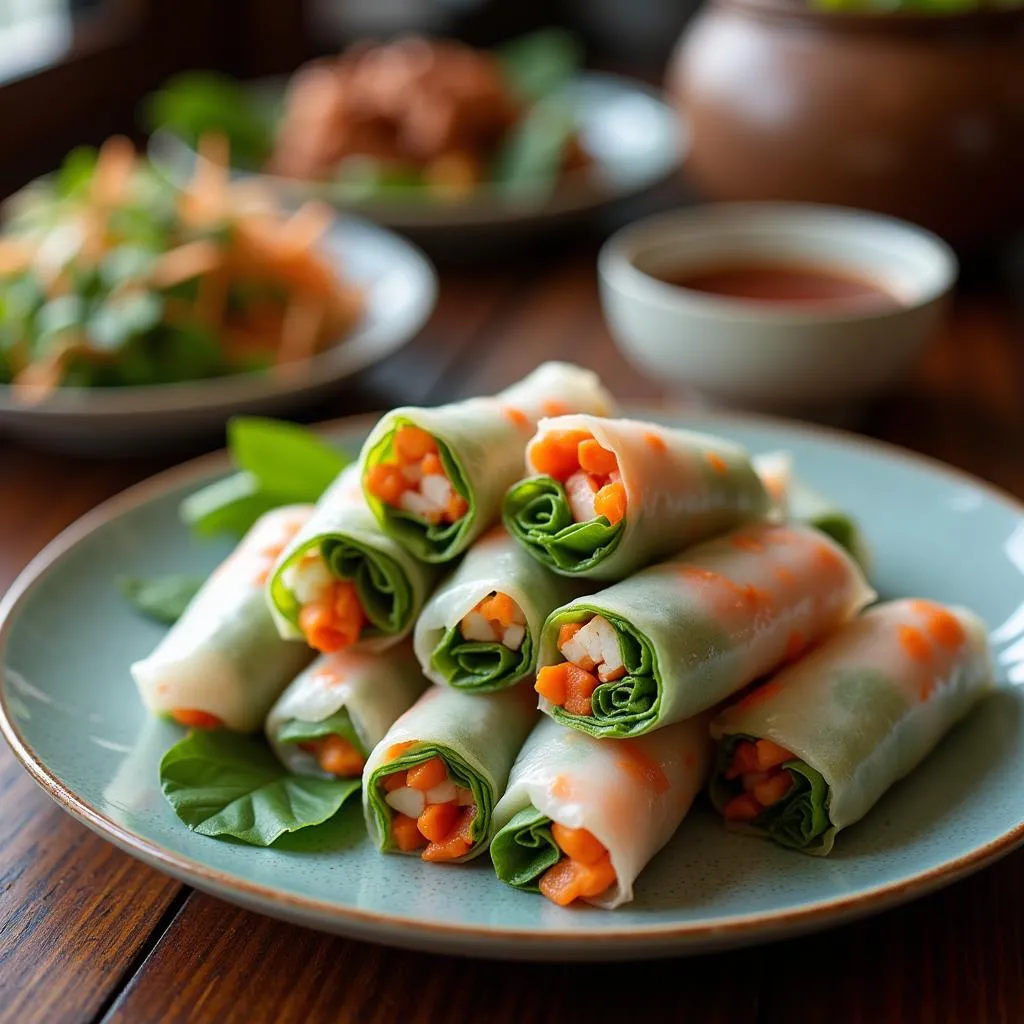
[(539, 630)]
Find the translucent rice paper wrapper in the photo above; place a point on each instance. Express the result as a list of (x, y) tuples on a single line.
[(224, 655), (695, 630), (861, 710), (630, 794), (481, 443), (373, 688), (495, 563), (794, 499), (392, 584), (681, 487), (478, 735)]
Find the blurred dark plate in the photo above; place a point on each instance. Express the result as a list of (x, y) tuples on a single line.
[(633, 136)]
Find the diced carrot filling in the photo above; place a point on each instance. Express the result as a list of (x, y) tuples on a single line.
[(415, 481), (589, 473), (427, 775), (406, 834), (457, 843), (568, 686), (577, 843), (441, 811), (336, 756), (495, 619), (396, 750), (572, 879), (193, 719), (567, 631), (436, 821), (335, 619), (610, 502), (758, 767)]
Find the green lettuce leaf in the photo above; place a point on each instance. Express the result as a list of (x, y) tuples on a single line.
[(280, 463), (479, 666), (295, 730), (524, 849), (536, 512), (541, 62), (228, 786), (161, 598), (196, 102)]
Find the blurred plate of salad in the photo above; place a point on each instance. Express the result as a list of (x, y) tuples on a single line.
[(131, 309), (431, 133)]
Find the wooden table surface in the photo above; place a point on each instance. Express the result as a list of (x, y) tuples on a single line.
[(89, 934)]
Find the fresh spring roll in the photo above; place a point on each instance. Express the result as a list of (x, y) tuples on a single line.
[(581, 818), (604, 497), (431, 785), (811, 751), (435, 477), (678, 637), (793, 499), (339, 708), (343, 581), (481, 628), (222, 664)]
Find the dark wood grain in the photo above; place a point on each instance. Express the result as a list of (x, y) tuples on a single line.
[(203, 968), (77, 918)]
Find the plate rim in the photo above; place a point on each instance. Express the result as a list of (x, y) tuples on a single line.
[(670, 938)]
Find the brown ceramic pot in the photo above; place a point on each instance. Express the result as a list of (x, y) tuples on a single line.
[(919, 116)]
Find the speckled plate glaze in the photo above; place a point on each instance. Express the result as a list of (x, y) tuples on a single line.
[(70, 712)]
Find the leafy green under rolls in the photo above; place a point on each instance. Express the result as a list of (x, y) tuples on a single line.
[(339, 708), (480, 629), (607, 497), (343, 581), (223, 663), (678, 637), (431, 785), (435, 477), (812, 750), (628, 798)]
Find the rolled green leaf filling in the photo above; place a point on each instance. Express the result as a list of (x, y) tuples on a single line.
[(536, 512), (461, 774), (428, 541), (631, 705), (384, 589), (796, 820), (295, 730), (480, 666), (524, 849)]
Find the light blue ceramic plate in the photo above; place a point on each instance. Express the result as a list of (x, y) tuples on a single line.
[(69, 709)]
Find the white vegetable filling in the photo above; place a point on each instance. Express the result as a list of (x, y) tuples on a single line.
[(308, 579), (477, 628), (595, 647), (413, 802)]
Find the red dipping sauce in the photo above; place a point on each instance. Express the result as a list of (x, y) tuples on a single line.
[(783, 283)]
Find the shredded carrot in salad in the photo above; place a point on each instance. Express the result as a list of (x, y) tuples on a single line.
[(588, 472), (121, 281), (432, 813), (414, 479)]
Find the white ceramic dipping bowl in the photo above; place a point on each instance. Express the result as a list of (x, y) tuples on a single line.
[(816, 359)]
